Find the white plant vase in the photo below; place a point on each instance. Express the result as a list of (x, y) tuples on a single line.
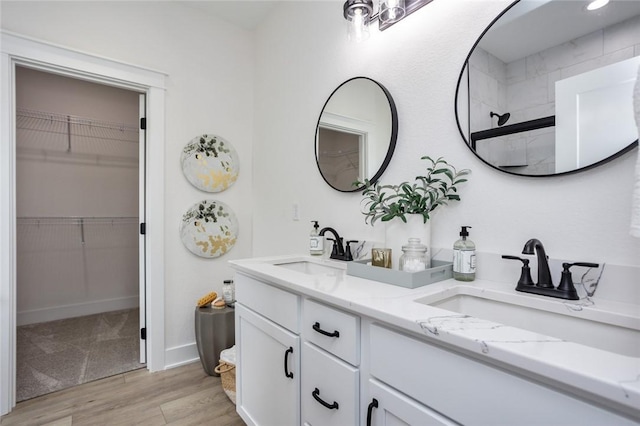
[(397, 234)]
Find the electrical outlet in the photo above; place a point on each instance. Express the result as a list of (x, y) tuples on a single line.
[(295, 211)]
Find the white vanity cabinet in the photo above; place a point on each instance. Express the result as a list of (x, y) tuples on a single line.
[(268, 354), (304, 361)]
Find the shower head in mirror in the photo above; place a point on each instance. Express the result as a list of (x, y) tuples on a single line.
[(502, 119)]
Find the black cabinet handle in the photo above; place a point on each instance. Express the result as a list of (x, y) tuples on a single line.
[(317, 328), (372, 405), (286, 364), (316, 396)]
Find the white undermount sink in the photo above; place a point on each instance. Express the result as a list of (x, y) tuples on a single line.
[(310, 267), (566, 320)]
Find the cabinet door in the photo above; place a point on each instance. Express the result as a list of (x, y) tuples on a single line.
[(267, 373), (390, 408)]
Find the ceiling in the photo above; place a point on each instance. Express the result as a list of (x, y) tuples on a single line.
[(246, 14), (535, 25)]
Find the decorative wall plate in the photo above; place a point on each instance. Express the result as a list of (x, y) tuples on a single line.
[(209, 228), (210, 163)]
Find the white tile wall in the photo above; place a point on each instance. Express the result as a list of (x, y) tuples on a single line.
[(624, 34), (566, 54)]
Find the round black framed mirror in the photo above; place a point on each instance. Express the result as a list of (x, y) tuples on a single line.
[(546, 89), (356, 134)]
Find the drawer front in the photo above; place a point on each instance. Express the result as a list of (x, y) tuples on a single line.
[(471, 392), (334, 331), (329, 389), (278, 305)]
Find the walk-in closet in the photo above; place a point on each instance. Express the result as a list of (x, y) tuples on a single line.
[(77, 231)]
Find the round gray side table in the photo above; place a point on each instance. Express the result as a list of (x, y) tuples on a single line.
[(215, 331)]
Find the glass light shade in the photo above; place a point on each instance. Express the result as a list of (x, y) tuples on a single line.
[(358, 14), (391, 10), (358, 27)]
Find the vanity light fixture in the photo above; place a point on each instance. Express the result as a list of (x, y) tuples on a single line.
[(359, 14), (597, 4)]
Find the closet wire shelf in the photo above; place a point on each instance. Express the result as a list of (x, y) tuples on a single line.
[(70, 137), (65, 230)]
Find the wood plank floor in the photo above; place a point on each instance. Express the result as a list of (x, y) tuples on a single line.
[(179, 396)]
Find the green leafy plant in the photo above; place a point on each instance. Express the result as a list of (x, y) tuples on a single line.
[(424, 195)]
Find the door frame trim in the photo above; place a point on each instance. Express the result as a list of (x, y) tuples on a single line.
[(20, 50)]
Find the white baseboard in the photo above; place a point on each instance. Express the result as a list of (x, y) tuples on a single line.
[(76, 310), (181, 355)]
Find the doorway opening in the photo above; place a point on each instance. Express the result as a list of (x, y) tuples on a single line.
[(79, 261), (17, 50)]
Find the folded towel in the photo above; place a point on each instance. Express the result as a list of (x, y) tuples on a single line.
[(635, 213)]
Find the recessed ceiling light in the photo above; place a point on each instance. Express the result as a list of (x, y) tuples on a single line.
[(597, 4)]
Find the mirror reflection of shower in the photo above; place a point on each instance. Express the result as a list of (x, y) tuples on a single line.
[(502, 119)]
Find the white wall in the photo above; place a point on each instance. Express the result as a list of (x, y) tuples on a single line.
[(303, 54), (209, 90)]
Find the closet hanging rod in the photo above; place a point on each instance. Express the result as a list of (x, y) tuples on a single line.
[(75, 120), (76, 219)]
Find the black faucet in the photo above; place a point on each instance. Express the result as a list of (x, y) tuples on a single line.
[(338, 251), (544, 274), (544, 286)]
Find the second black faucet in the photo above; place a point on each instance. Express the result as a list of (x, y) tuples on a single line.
[(544, 286)]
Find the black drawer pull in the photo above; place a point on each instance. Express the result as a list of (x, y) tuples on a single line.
[(286, 364), (316, 396), (317, 328), (372, 405)]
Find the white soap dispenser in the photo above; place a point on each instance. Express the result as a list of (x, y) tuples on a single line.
[(464, 257), (316, 241)]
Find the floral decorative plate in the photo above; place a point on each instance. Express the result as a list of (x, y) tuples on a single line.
[(210, 163), (209, 228)]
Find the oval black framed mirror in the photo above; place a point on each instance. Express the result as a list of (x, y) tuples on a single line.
[(356, 134), (547, 88)]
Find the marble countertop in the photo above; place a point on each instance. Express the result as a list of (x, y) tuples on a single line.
[(611, 378)]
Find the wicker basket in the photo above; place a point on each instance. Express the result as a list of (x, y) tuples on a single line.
[(227, 374)]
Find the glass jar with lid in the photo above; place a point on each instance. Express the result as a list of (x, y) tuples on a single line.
[(228, 292), (414, 256)]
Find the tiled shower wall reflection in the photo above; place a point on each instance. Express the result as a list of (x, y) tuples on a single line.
[(75, 266), (526, 89)]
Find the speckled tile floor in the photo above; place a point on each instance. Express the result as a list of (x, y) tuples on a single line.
[(57, 355)]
